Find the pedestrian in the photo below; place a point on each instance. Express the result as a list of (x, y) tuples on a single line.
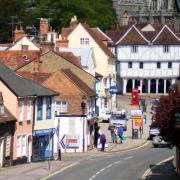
[(115, 135), (112, 134), (96, 136), (102, 141), (120, 133)]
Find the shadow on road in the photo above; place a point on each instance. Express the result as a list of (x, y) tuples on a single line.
[(164, 171)]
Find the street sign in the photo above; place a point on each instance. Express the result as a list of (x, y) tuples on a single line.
[(70, 141), (113, 90)]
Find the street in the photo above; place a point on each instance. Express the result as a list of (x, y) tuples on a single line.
[(116, 166)]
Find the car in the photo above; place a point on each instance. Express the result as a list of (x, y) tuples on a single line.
[(154, 130), (105, 116), (159, 141), (118, 118)]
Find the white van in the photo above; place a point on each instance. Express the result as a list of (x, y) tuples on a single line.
[(118, 118)]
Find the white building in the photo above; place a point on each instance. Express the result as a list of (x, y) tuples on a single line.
[(149, 57)]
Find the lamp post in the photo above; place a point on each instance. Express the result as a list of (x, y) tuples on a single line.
[(59, 147), (83, 107)]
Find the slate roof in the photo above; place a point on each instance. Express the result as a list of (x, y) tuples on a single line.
[(22, 87), (79, 82)]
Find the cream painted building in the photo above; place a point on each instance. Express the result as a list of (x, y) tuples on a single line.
[(80, 35)]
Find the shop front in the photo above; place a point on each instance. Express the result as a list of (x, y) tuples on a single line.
[(43, 142)]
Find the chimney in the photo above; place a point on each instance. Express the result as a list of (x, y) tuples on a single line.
[(44, 27), (18, 33), (63, 42), (74, 22)]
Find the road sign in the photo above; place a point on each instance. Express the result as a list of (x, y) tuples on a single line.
[(70, 141), (113, 90)]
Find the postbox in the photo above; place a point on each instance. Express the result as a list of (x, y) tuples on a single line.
[(134, 97)]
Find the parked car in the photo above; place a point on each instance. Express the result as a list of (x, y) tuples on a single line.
[(159, 141), (154, 130), (105, 116), (118, 118)]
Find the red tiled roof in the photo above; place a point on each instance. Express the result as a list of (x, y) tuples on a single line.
[(166, 37), (71, 57), (106, 50), (99, 35), (36, 77), (79, 82)]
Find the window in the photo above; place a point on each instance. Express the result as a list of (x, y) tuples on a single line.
[(141, 65), (21, 110), (61, 107), (21, 146), (84, 41), (18, 146), (158, 65), (165, 48), (23, 142), (29, 109), (25, 47), (39, 108), (134, 48), (154, 4), (129, 64), (169, 65), (165, 4), (48, 107)]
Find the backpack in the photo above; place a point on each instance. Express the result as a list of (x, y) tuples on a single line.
[(120, 131)]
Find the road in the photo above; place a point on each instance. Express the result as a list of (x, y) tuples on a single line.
[(117, 166)]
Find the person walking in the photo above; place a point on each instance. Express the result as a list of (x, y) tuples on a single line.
[(112, 134), (102, 141), (120, 133), (115, 135)]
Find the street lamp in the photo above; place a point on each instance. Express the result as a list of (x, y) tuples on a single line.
[(83, 108)]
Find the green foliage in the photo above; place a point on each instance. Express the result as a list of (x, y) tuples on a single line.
[(97, 13), (165, 117)]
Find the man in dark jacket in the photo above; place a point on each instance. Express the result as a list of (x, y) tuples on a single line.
[(102, 141)]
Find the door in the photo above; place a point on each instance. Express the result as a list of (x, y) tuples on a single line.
[(1, 152)]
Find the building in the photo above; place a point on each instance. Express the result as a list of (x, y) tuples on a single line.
[(24, 100), (148, 57), (147, 11), (7, 128), (80, 35)]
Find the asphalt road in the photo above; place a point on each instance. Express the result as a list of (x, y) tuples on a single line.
[(118, 166)]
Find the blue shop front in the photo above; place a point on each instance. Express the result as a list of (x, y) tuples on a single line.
[(43, 144)]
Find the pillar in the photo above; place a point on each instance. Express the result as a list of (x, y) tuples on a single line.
[(149, 86), (133, 81), (141, 86), (157, 82), (164, 86), (124, 85)]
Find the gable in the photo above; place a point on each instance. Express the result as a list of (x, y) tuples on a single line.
[(131, 37), (166, 37), (24, 42), (148, 28)]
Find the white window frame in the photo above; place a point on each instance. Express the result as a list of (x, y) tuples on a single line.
[(29, 110), (60, 108), (84, 41), (24, 145), (165, 48), (18, 146), (21, 111)]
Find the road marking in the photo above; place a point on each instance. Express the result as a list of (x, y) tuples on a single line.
[(102, 169), (129, 157), (59, 171), (117, 162), (149, 170)]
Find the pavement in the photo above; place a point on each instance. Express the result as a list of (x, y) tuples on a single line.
[(41, 170)]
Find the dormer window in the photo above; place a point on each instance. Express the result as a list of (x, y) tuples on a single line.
[(134, 48), (166, 48)]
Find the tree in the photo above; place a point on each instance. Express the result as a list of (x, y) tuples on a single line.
[(165, 117)]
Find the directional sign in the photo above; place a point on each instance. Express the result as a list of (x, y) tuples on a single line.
[(113, 90), (70, 141)]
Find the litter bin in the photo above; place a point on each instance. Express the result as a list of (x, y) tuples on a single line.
[(135, 134)]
